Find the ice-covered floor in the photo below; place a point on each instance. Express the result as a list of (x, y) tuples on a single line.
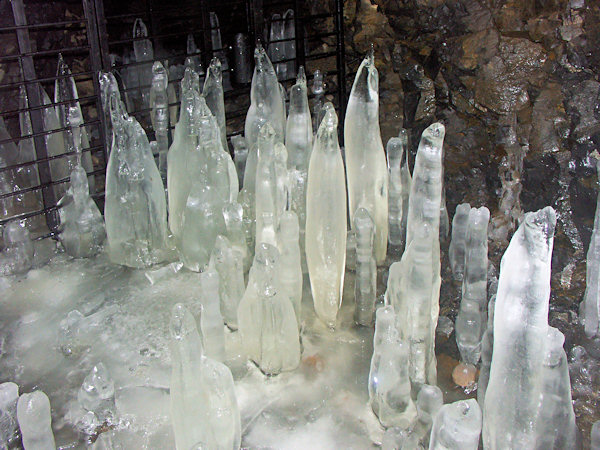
[(58, 321)]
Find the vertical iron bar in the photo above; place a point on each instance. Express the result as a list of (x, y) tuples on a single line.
[(102, 34), (258, 20), (96, 63), (207, 48), (341, 61), (37, 120), (299, 30)]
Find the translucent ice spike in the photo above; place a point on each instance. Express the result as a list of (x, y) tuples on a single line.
[(298, 132), (556, 423), (266, 104), (589, 310), (267, 322), (289, 46), (267, 211), (228, 262), (457, 426), (26, 146), (81, 224), (277, 47), (520, 331), (108, 84), (203, 403), (135, 209), (33, 412), (213, 93), (318, 90), (233, 214), (389, 384), (219, 50), (397, 163), (487, 346), (290, 271), (17, 256), (97, 393), (456, 251), (366, 168), (194, 56), (211, 320), (366, 269), (240, 156), (159, 104), (9, 394), (143, 52), (406, 179), (326, 220)]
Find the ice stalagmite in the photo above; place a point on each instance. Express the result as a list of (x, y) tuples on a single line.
[(365, 158), (318, 89), (366, 269), (33, 412), (211, 320), (240, 155), (203, 403), (213, 93), (389, 384), (9, 395), (219, 49), (108, 85), (97, 393), (266, 318), (520, 331), (277, 47), (458, 242), (266, 194), (487, 347), (417, 279), (589, 310), (457, 426), (194, 54), (472, 316), (17, 255), (159, 104), (135, 209), (26, 146), (399, 186), (289, 46), (429, 401), (298, 132), (228, 263), (290, 267), (143, 52), (556, 424), (234, 226), (326, 220), (265, 101)]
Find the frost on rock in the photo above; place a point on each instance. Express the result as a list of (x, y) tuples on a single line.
[(203, 403), (213, 93), (33, 412), (228, 263), (389, 384), (266, 104), (266, 318), (365, 287), (159, 104), (512, 398), (17, 255), (365, 158), (326, 220), (290, 266), (414, 284), (458, 242), (589, 310), (135, 210), (399, 187), (457, 426), (97, 393), (9, 394)]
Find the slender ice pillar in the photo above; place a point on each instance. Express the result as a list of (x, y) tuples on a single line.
[(458, 243), (234, 226), (416, 281), (203, 403), (159, 104), (457, 426), (33, 412), (318, 90), (326, 220), (213, 93), (366, 167), (277, 47), (9, 395), (17, 256), (520, 330), (266, 318), (242, 59), (194, 56), (589, 310), (298, 132), (290, 267), (429, 401), (267, 191), (228, 263), (556, 423), (143, 52), (240, 155), (389, 384), (365, 285), (211, 320), (289, 46), (266, 104), (219, 49), (399, 186), (26, 146), (135, 209), (97, 393), (487, 347)]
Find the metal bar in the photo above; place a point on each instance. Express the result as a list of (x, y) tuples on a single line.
[(50, 158), (37, 120), (44, 52), (43, 132), (206, 44), (319, 55), (48, 79), (258, 19), (316, 16), (17, 111), (102, 34), (39, 26), (156, 36), (340, 62)]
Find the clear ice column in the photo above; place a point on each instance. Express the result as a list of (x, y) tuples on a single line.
[(458, 242), (366, 168), (457, 426), (397, 163), (213, 93), (520, 331), (290, 271), (228, 262), (326, 220), (159, 104), (33, 412), (366, 270), (9, 395)]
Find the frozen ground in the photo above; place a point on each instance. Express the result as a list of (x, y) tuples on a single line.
[(58, 321)]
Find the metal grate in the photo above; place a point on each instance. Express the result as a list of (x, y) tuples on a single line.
[(94, 35)]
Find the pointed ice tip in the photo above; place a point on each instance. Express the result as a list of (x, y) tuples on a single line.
[(182, 322), (157, 67), (62, 68), (330, 119), (301, 77), (543, 220), (370, 56), (362, 219), (436, 130), (259, 50), (266, 133), (139, 28), (215, 65)]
